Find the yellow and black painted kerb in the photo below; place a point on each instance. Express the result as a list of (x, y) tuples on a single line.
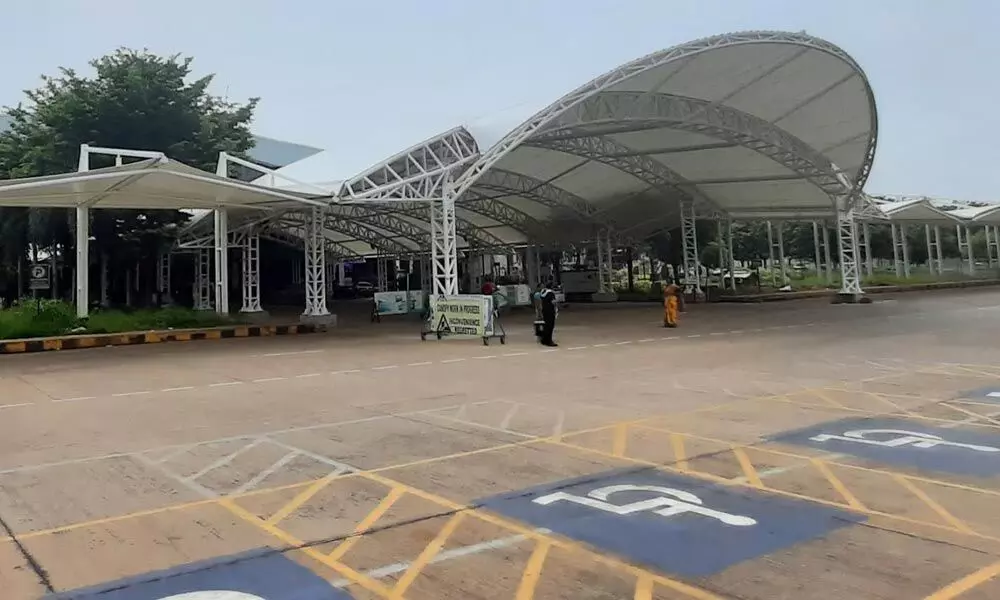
[(76, 342)]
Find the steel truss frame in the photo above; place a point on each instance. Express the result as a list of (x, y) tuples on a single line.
[(163, 276), (689, 247), (847, 237), (202, 291), (417, 173), (962, 235), (605, 281), (632, 69), (992, 245), (444, 244), (613, 112), (866, 246), (251, 272), (776, 243), (607, 151)]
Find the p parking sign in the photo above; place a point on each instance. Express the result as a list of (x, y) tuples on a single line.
[(41, 277)]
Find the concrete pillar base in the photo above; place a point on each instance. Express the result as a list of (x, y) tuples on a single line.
[(322, 321), (256, 317), (851, 299)]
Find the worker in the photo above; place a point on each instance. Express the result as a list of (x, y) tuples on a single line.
[(670, 293), (549, 310)]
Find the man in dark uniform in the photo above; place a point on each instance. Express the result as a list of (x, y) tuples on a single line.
[(549, 310)]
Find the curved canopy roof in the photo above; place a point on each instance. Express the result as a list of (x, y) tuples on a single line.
[(750, 125)]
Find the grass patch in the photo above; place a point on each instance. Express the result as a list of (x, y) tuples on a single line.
[(24, 320)]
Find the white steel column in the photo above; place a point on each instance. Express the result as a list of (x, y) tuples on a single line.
[(251, 273), (341, 275), (163, 277), (817, 250), (221, 261), (689, 247), (992, 245), (931, 253), (770, 253), (604, 278), (847, 236), (898, 247), (315, 257), (444, 246), (203, 280), (965, 245), (866, 231), (730, 255), (827, 254), (82, 261), (780, 241), (381, 274), (939, 250)]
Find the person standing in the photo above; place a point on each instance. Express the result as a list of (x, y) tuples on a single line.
[(547, 297), (670, 294)]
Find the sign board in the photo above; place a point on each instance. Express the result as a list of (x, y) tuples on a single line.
[(469, 315), (990, 395), (399, 303), (907, 443), (513, 295), (259, 575), (40, 277), (671, 522)]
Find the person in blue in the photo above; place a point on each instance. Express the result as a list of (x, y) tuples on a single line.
[(546, 308)]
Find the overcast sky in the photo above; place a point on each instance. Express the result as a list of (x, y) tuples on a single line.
[(365, 78)]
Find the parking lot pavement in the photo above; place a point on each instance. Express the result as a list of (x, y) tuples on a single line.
[(758, 451)]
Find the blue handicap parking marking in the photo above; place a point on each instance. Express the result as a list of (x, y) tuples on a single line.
[(986, 394), (257, 575), (674, 523), (907, 443)]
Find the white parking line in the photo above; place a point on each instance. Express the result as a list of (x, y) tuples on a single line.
[(452, 360), (516, 354), (488, 356), (183, 388), (345, 372), (307, 375), (290, 353), (77, 399), (225, 384), (268, 379), (16, 405), (577, 348), (127, 394), (385, 367), (420, 364)]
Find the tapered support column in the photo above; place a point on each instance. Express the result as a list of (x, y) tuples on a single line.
[(82, 261), (817, 249), (827, 254), (251, 274), (992, 246), (689, 248), (730, 255), (315, 267), (898, 248), (931, 249)]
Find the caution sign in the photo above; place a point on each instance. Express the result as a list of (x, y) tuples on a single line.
[(462, 315)]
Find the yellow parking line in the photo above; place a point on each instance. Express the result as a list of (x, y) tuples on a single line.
[(748, 469), (644, 588), (940, 510), (838, 485), (301, 499), (560, 542), (680, 453), (533, 571), (343, 570), (366, 523), (957, 588), (621, 439), (735, 482), (427, 555), (909, 414), (820, 393), (970, 413), (950, 484)]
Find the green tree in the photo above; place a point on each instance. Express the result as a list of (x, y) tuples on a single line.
[(134, 100)]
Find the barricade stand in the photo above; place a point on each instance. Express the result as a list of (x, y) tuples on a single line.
[(463, 315)]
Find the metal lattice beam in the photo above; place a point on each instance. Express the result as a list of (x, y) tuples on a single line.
[(609, 152), (632, 69), (417, 173), (617, 112)]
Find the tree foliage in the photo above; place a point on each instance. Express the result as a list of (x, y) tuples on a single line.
[(134, 100)]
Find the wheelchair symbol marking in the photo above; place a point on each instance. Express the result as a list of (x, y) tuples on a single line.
[(902, 438), (671, 502)]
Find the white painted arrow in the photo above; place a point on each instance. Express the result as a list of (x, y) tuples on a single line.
[(994, 394)]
